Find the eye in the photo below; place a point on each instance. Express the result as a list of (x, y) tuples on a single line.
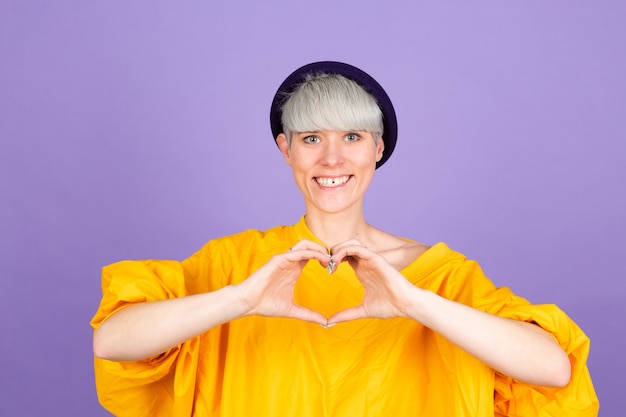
[(352, 137), (311, 139)]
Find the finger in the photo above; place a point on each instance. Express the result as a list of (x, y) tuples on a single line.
[(348, 314), (354, 251), (309, 245), (347, 243), (306, 255)]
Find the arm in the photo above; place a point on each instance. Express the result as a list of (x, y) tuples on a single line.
[(143, 330), (520, 350)]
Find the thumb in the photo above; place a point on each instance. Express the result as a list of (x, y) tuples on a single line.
[(348, 314), (306, 314)]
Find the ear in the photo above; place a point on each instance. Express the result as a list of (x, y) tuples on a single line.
[(380, 147), (283, 145)]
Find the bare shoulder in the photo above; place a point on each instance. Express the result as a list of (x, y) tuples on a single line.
[(398, 251)]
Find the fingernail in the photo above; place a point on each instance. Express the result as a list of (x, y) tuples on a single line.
[(328, 326), (330, 267)]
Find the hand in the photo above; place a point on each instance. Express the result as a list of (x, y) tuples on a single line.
[(269, 291), (387, 292)]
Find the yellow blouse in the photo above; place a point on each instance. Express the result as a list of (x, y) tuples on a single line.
[(257, 366)]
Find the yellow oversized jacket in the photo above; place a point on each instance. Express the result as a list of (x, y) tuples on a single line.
[(271, 367)]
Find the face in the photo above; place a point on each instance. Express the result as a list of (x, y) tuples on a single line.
[(332, 169)]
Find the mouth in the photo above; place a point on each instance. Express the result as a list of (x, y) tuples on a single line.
[(332, 182)]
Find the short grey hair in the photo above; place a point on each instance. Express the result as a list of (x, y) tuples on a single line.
[(330, 102)]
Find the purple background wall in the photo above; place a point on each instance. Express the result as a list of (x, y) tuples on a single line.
[(140, 130)]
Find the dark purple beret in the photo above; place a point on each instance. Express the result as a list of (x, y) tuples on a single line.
[(353, 73)]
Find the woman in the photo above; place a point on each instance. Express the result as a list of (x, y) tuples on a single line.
[(288, 321)]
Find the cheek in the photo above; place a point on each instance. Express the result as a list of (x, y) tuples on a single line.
[(299, 169), (301, 161), (366, 158)]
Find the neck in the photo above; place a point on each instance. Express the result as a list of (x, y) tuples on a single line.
[(335, 228)]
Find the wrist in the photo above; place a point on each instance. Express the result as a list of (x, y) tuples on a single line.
[(236, 305), (418, 306)]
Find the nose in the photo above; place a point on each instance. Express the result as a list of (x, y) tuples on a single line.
[(333, 152)]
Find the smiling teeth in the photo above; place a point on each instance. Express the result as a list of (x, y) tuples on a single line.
[(332, 182)]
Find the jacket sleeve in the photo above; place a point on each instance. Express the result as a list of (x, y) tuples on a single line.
[(578, 398), (513, 398), (158, 386)]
